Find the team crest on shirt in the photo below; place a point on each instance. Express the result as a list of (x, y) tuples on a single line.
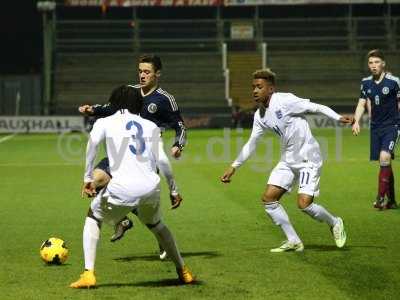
[(152, 108), (279, 114), (385, 90)]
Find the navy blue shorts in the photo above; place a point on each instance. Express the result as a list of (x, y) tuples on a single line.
[(383, 139), (104, 165)]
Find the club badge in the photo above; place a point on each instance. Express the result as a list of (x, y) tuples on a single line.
[(385, 90), (279, 114), (152, 108)]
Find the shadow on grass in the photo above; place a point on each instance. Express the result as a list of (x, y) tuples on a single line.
[(48, 265), (205, 254), (328, 248), (325, 248), (155, 284)]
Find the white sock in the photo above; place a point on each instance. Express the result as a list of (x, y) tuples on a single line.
[(279, 216), (91, 235), (319, 213), (167, 241), (165, 168)]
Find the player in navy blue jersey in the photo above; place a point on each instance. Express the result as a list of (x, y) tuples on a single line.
[(159, 107), (381, 92)]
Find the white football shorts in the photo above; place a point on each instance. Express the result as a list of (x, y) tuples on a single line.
[(108, 209), (306, 174)]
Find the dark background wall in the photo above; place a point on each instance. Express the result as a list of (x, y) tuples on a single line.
[(21, 32), (20, 37)]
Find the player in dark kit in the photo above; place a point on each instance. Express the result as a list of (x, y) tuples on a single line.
[(381, 91), (159, 107)]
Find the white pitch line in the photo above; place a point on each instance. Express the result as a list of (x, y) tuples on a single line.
[(8, 137)]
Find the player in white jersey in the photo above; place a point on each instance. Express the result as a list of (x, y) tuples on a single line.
[(159, 107), (131, 144), (301, 160)]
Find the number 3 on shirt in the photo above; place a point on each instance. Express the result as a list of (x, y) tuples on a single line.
[(138, 137)]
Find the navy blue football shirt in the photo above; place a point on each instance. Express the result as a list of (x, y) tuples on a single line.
[(384, 97), (159, 107)]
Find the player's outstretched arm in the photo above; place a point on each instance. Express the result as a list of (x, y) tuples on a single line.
[(226, 178), (302, 106), (247, 150), (346, 120), (86, 110), (97, 110), (357, 116)]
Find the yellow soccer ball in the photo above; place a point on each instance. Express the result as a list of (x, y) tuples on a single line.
[(54, 251)]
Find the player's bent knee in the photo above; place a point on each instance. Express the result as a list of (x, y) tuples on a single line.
[(304, 201), (266, 198), (272, 193), (100, 178), (269, 196)]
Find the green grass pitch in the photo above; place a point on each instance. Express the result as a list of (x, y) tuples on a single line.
[(222, 230)]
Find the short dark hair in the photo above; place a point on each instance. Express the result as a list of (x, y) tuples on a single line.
[(126, 97), (151, 59), (376, 53), (265, 74)]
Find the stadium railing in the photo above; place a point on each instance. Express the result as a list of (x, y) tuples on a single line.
[(335, 46), (207, 35)]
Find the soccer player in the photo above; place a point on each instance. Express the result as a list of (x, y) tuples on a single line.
[(131, 143), (283, 114), (159, 107), (381, 91)]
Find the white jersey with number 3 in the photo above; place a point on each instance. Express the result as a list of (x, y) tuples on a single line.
[(285, 117), (131, 143)]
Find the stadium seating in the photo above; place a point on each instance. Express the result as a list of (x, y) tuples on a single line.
[(318, 58), (241, 66), (196, 81), (332, 78)]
